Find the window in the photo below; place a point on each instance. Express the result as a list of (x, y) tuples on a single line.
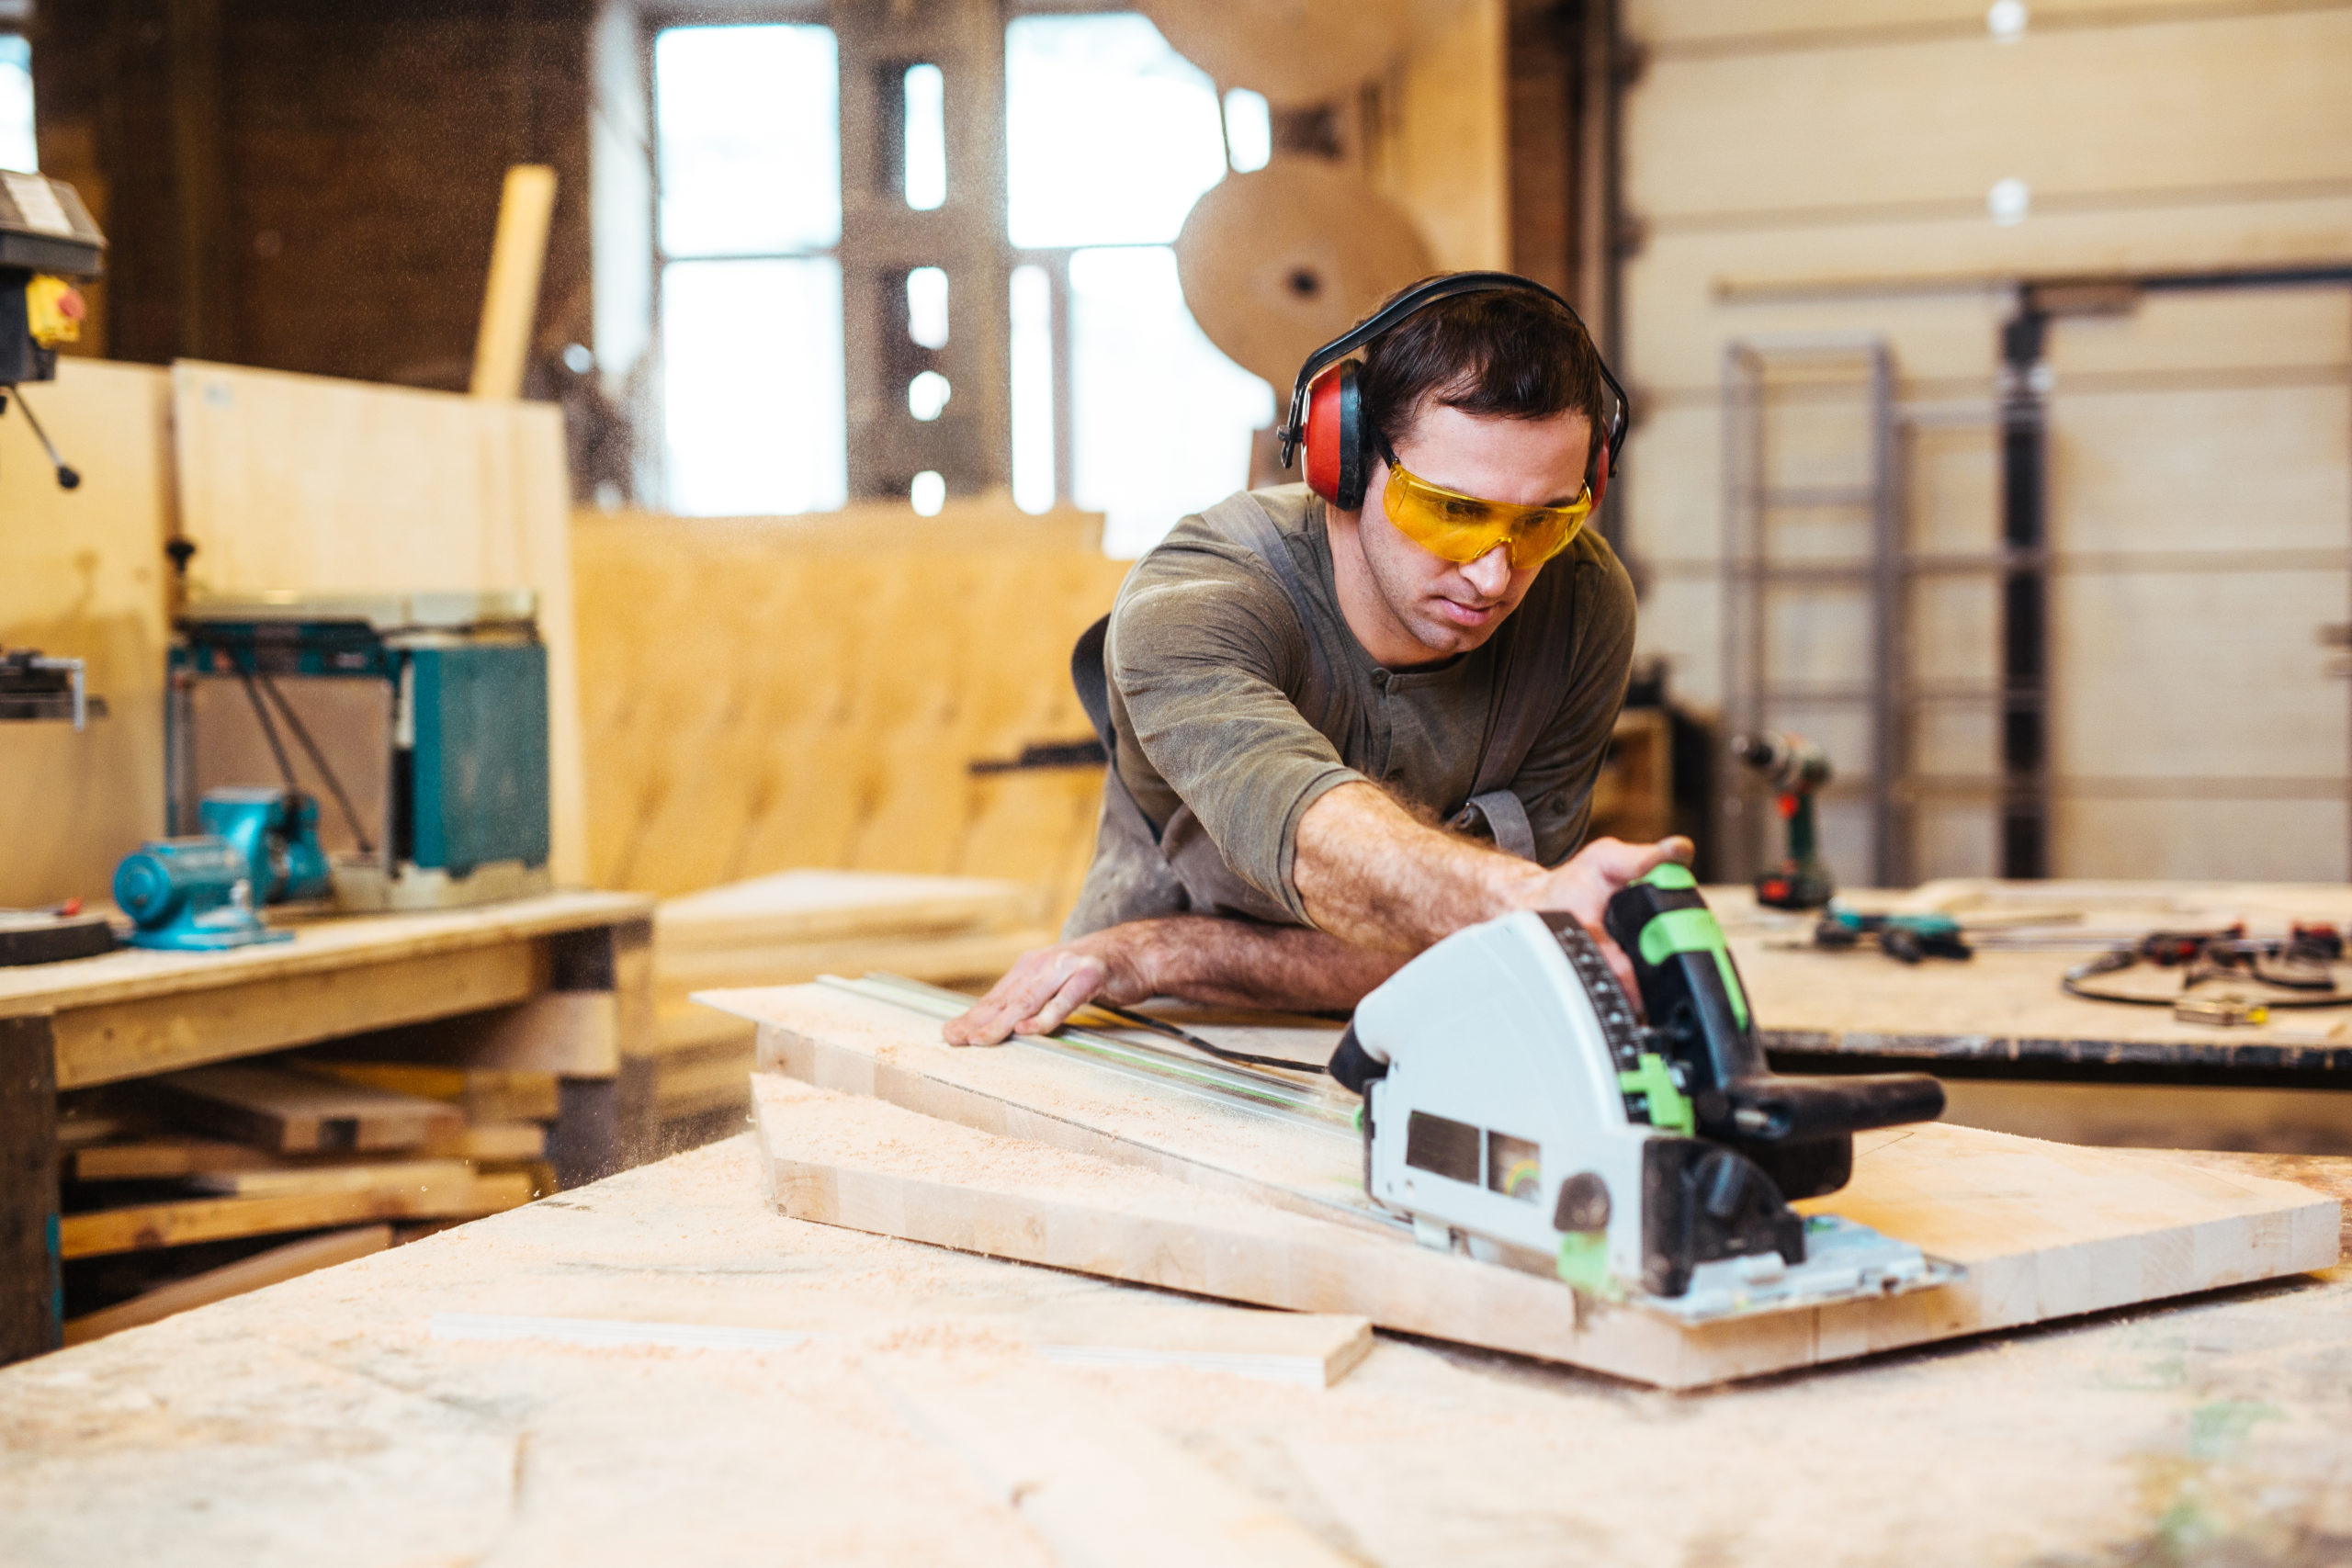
[(16, 149), (747, 156), (1111, 136)]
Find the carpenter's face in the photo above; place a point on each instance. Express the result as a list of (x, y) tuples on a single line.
[(1443, 607)]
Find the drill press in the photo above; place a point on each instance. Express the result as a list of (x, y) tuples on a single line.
[(1797, 770)]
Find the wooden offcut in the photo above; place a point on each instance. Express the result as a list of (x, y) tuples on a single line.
[(511, 298), (1157, 1187), (143, 1226), (276, 1108)]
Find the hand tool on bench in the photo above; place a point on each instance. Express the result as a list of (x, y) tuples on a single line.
[(1797, 769)]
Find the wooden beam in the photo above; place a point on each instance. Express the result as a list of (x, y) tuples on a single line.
[(111, 1042), (298, 1112), (216, 1219), (510, 304)]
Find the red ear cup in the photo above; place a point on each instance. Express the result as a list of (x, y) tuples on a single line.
[(1335, 437), (1599, 481)]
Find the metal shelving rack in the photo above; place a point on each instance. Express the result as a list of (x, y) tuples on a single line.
[(1761, 378)]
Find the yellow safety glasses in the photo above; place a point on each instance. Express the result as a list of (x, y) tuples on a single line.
[(1461, 529)]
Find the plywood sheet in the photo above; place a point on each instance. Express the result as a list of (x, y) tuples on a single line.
[(772, 693), (306, 482), (82, 575)]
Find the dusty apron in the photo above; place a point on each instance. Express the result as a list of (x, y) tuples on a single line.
[(1177, 868)]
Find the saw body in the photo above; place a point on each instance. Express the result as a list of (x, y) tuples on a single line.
[(1518, 1107)]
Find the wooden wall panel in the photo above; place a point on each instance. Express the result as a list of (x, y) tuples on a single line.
[(765, 694), (301, 481), (1445, 157), (82, 575)]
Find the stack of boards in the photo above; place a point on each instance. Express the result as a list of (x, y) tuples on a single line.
[(1031, 1152), (793, 927), (202, 1184)]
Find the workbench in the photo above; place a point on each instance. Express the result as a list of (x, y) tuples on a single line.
[(2217, 1429), (560, 983), (2017, 1055)]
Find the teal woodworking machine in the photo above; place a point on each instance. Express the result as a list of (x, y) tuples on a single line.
[(417, 721)]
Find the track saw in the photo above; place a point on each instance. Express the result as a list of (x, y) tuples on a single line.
[(1517, 1108)]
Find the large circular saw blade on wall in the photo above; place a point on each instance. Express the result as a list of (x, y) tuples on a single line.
[(1278, 261), (1294, 51)]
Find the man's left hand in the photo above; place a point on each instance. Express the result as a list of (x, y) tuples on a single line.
[(1049, 984)]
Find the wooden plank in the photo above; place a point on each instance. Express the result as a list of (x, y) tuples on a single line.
[(498, 1141), (295, 1112), (109, 1042), (1305, 1349), (273, 1267), (510, 302), (805, 906), (427, 489), (325, 944), (82, 576), (2046, 1231), (167, 1160), (445, 1175), (218, 1219), (30, 1300), (481, 1094), (571, 1033), (960, 956)]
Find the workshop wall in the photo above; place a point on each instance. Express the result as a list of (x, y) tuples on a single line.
[(2201, 487), (312, 186)]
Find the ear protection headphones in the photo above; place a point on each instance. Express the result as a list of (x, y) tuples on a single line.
[(1327, 405)]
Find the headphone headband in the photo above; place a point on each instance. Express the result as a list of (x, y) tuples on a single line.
[(1412, 302)]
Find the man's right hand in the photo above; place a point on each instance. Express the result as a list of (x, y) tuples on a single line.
[(1047, 984), (1584, 883)]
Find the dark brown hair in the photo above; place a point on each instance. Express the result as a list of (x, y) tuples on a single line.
[(1508, 352)]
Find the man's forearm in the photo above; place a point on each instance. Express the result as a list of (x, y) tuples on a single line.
[(1375, 877), (1245, 963)]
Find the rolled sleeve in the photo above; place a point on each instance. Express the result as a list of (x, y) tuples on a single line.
[(1204, 653)]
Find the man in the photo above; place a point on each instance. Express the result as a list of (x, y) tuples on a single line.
[(1314, 695)]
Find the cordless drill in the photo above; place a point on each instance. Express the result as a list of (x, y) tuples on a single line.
[(1796, 769)]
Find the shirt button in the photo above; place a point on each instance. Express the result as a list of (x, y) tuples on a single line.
[(1380, 677)]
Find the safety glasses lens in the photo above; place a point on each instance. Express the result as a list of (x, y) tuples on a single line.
[(1461, 529)]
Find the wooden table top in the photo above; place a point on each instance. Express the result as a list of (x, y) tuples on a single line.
[(2005, 1005), (2214, 1430), (320, 942)]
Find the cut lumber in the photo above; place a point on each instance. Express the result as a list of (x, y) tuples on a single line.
[(296, 1111), (454, 1177), (149, 1226), (280, 1263), (483, 1094), (504, 1141), (1307, 1348), (813, 906), (2043, 1231), (510, 301), (167, 1160)]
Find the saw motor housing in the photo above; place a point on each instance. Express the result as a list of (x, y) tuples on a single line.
[(1513, 1093)]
